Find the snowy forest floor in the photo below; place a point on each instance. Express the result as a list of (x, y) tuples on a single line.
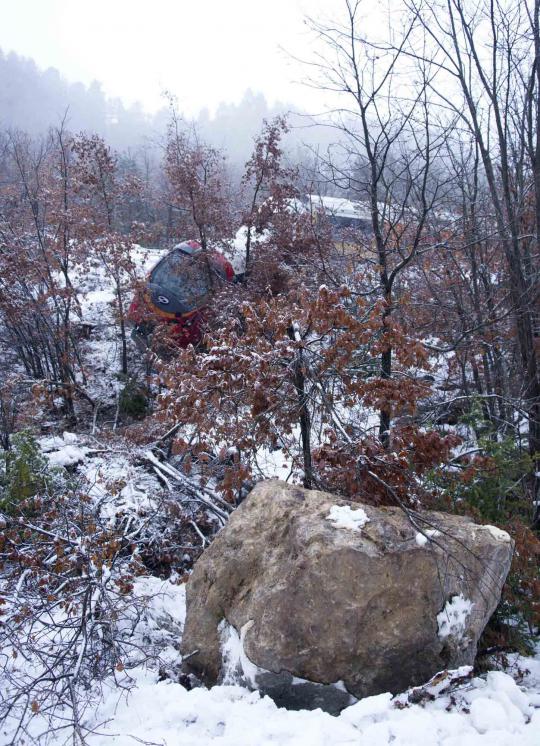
[(494, 709), (500, 709), (147, 702)]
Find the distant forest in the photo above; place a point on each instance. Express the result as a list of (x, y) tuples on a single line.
[(32, 100)]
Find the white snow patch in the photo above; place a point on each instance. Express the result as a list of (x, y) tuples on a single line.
[(237, 665), (67, 456), (423, 538), (451, 620), (163, 598), (63, 451), (164, 712), (342, 516), (497, 533), (54, 442), (274, 464)]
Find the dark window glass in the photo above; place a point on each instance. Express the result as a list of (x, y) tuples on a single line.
[(185, 278)]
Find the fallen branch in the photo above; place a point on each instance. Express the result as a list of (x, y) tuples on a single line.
[(166, 473)]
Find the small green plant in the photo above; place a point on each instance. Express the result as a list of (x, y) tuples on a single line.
[(491, 483), (133, 399), (24, 471)]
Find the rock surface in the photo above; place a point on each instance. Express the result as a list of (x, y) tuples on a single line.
[(317, 601)]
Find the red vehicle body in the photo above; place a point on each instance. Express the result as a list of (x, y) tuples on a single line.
[(178, 290)]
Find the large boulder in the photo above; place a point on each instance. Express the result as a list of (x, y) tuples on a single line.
[(316, 601)]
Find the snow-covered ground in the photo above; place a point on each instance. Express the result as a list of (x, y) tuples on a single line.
[(147, 704), (492, 710), (140, 706), (96, 298)]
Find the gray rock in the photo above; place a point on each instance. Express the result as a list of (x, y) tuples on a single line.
[(315, 611)]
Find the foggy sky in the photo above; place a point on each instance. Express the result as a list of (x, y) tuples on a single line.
[(202, 51)]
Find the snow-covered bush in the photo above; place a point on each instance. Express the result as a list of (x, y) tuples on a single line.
[(67, 613)]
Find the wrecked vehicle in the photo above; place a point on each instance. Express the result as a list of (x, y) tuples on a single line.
[(177, 291)]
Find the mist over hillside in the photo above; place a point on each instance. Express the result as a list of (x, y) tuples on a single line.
[(33, 100)]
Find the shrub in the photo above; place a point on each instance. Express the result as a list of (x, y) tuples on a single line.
[(133, 399), (24, 472)]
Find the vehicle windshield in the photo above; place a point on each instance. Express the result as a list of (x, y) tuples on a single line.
[(185, 278)]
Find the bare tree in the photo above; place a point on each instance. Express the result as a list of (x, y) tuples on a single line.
[(487, 56), (388, 146), (37, 253)]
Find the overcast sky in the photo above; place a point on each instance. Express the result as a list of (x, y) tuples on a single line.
[(202, 51)]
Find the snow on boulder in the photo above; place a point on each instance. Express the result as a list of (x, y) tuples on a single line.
[(453, 618), (342, 516), (316, 601)]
